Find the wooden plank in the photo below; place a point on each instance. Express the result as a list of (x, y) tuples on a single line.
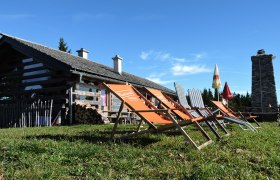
[(87, 102), (86, 93), (70, 93)]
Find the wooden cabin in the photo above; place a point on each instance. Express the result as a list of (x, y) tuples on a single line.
[(39, 84)]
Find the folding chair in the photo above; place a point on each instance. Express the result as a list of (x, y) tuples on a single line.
[(228, 112), (158, 119), (211, 119), (179, 110), (197, 102)]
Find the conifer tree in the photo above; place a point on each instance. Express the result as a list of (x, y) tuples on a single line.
[(62, 46)]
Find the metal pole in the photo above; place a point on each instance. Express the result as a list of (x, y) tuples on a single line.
[(218, 94)]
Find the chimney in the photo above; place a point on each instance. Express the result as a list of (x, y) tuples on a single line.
[(117, 64), (83, 53)]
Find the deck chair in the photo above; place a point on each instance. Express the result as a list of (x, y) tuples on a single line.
[(180, 111), (228, 112), (201, 111), (197, 102), (158, 119)]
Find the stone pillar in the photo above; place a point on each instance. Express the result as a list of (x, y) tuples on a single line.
[(263, 83)]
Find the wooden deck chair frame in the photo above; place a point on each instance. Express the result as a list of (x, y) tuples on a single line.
[(229, 112), (153, 128), (194, 118)]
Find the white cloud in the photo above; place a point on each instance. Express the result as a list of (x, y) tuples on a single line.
[(145, 55), (166, 56), (199, 56), (179, 70), (179, 59), (159, 80), (160, 56)]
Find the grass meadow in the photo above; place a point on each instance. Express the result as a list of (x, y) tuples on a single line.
[(86, 152)]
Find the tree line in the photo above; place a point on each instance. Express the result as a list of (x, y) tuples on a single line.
[(239, 102)]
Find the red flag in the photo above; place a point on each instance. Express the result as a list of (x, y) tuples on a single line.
[(226, 92)]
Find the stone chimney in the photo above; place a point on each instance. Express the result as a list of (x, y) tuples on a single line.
[(263, 82), (117, 64), (83, 53)]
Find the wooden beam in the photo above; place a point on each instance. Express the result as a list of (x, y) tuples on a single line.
[(86, 93), (87, 102), (70, 91)]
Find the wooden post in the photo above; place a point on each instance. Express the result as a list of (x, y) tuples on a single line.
[(70, 102), (117, 120), (50, 115)]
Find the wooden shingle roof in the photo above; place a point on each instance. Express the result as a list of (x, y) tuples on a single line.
[(77, 64)]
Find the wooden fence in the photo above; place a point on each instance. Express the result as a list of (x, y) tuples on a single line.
[(26, 114)]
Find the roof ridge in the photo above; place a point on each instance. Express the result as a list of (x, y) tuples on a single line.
[(17, 38)]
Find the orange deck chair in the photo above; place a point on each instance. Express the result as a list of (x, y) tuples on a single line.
[(228, 112), (158, 119), (184, 113)]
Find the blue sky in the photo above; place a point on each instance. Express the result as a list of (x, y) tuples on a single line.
[(162, 40)]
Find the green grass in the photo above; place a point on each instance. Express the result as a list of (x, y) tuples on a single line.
[(86, 152)]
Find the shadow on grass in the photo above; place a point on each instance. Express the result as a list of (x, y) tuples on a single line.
[(99, 137)]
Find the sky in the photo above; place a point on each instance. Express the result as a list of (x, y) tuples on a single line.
[(165, 41)]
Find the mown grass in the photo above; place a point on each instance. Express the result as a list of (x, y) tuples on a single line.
[(86, 152)]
